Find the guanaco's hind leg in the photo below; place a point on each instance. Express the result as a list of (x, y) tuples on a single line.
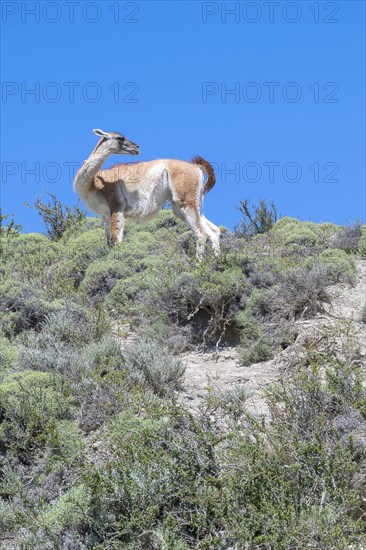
[(213, 234), (195, 221)]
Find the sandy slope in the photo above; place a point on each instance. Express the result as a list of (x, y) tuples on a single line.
[(221, 371)]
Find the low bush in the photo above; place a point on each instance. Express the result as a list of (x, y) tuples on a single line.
[(8, 355), (23, 307), (347, 238), (151, 366), (255, 346), (101, 277), (68, 511), (362, 241), (79, 252), (301, 292), (30, 401), (30, 257), (338, 265)]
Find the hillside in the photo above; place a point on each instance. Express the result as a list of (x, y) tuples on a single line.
[(151, 401)]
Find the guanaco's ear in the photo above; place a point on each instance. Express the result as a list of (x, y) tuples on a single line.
[(100, 133)]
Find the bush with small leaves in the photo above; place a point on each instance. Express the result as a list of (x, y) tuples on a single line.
[(23, 307), (339, 266), (347, 238), (256, 219), (255, 345), (66, 441), (362, 242), (79, 252), (30, 401), (292, 232), (101, 277), (69, 511), (151, 366), (57, 218), (204, 298), (30, 257), (300, 293), (8, 355)]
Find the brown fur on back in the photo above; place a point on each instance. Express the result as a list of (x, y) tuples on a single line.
[(209, 171)]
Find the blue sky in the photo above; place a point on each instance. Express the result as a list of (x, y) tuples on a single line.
[(292, 130)]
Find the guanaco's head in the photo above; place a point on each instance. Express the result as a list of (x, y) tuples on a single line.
[(117, 143)]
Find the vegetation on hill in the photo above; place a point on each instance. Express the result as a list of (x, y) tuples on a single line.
[(95, 449)]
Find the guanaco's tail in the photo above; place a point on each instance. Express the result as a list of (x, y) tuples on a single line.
[(208, 170)]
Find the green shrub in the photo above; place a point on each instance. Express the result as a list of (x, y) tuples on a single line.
[(127, 297), (79, 252), (101, 277), (30, 257), (256, 219), (30, 401), (290, 231), (66, 441), (56, 217), (23, 307), (8, 355), (152, 366), (68, 512), (104, 353), (205, 297), (79, 229), (254, 346), (362, 242), (339, 266)]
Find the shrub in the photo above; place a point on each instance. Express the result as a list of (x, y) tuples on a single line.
[(205, 297), (347, 238), (256, 219), (31, 256), (57, 218), (57, 348), (300, 293), (254, 346), (338, 265), (69, 511), (362, 241), (150, 365), (23, 307), (66, 441), (104, 354), (11, 229), (80, 251), (290, 232), (100, 278), (8, 355), (30, 401)]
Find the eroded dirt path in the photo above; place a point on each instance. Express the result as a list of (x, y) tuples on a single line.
[(219, 372)]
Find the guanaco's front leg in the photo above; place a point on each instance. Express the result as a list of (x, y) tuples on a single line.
[(117, 223)]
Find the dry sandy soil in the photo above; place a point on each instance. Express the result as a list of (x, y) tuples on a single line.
[(222, 371)]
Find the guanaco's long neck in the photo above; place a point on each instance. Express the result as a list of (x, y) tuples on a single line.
[(84, 179)]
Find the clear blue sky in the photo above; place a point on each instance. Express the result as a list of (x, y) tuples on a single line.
[(160, 73)]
